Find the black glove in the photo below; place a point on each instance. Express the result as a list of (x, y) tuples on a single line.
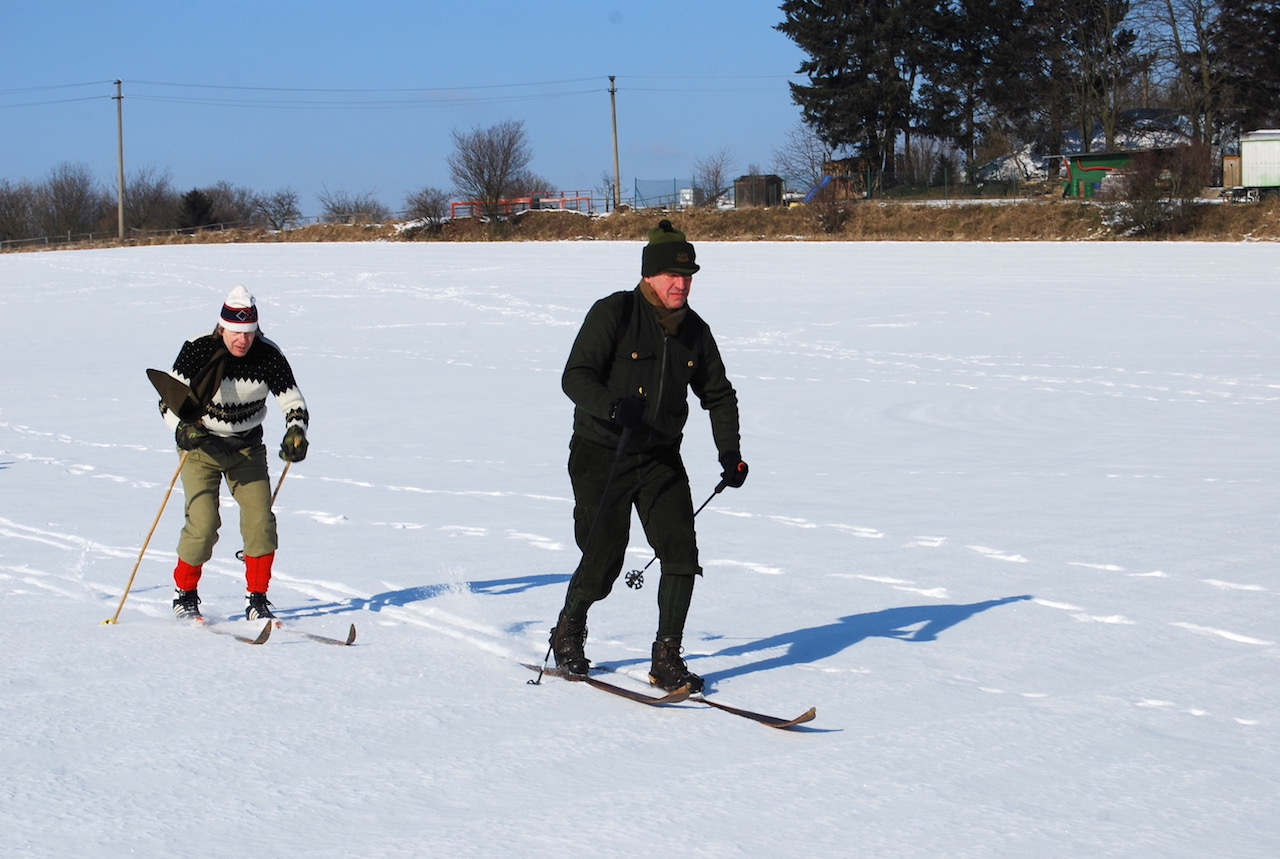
[(294, 446), (189, 436), (628, 411), (735, 470)]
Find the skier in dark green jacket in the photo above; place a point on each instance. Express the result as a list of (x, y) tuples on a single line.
[(635, 359)]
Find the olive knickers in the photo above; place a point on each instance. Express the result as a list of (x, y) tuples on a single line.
[(246, 474)]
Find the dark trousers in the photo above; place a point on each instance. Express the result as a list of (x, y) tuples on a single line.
[(657, 487)]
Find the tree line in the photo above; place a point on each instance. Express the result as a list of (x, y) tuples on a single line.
[(888, 80), (69, 204), (487, 164)]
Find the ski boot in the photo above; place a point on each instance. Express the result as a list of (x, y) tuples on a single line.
[(668, 671), (186, 604), (256, 607), (567, 642)]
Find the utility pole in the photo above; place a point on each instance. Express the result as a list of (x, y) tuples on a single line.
[(617, 177), (119, 97)]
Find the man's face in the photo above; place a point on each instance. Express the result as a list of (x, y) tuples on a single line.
[(671, 288), (238, 342)]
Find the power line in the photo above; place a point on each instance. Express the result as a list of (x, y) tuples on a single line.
[(50, 86), (389, 104), (365, 98), (372, 89), (54, 101)]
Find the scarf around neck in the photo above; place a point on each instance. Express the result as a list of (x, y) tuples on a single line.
[(206, 382), (669, 319)]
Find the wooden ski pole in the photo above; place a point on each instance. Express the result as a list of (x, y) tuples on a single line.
[(280, 483), (129, 585)]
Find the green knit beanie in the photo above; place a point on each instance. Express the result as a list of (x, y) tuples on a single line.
[(667, 251)]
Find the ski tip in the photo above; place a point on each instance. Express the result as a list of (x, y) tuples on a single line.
[(264, 635), (808, 716), (681, 694), (782, 724), (351, 634)]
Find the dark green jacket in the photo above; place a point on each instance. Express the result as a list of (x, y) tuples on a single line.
[(621, 349)]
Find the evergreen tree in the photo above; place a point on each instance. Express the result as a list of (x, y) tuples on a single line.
[(978, 60), (1245, 50), (1050, 77), (862, 69), (195, 210)]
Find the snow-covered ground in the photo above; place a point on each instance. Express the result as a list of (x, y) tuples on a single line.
[(1010, 526)]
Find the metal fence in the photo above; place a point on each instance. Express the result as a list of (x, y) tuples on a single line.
[(664, 193)]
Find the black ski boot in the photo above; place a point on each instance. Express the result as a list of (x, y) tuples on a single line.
[(186, 604), (668, 671), (567, 640), (256, 607)]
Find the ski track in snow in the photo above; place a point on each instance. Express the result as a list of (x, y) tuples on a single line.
[(34, 439), (484, 638), (410, 605)]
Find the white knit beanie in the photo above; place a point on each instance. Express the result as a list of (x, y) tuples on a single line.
[(239, 312)]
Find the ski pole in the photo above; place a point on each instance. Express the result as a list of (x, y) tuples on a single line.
[(280, 483), (137, 563), (635, 578), (613, 469)]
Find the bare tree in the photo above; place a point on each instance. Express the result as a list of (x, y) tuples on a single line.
[(1157, 195), (150, 201), (17, 211), (711, 178), (803, 158), (929, 158), (526, 183), (341, 207), (71, 202), (486, 163), (232, 204), (1180, 33), (605, 188), (429, 205), (278, 210)]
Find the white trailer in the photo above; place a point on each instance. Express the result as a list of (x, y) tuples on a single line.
[(1259, 166)]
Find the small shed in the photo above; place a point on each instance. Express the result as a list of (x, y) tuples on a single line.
[(758, 190), (1082, 172)]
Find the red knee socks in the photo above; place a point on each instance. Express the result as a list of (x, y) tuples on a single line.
[(185, 576), (257, 572)]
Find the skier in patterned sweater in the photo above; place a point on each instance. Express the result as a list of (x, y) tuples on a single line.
[(228, 374)]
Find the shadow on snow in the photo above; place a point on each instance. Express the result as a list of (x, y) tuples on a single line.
[(919, 623), (406, 596), (909, 623)]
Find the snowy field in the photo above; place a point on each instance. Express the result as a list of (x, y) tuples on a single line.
[(1010, 526)]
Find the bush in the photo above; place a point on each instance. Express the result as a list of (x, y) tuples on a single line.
[(341, 207), (1157, 194), (430, 206)]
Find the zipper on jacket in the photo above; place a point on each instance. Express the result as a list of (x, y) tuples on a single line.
[(662, 370)]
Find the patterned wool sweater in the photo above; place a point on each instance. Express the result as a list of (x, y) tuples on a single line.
[(239, 406)]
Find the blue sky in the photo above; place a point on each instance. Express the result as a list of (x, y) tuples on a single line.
[(362, 97)]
